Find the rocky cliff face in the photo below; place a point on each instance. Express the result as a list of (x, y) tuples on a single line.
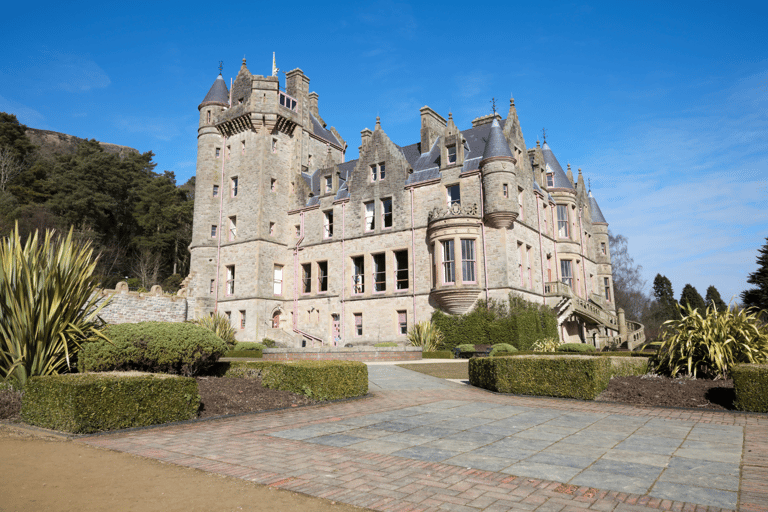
[(54, 143)]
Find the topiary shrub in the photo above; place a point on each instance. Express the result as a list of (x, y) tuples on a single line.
[(93, 402), (501, 349), (321, 380), (750, 385), (465, 347), (269, 343), (159, 347), (575, 347), (561, 376)]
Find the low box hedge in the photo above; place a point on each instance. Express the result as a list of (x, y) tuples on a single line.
[(576, 347), (438, 354), (750, 385), (628, 366), (561, 376), (245, 353), (321, 380), (92, 402)]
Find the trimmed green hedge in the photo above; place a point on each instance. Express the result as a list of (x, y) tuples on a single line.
[(561, 376), (249, 345), (321, 380), (439, 354), (502, 349), (516, 322), (160, 347), (249, 354), (629, 366), (93, 402), (575, 347), (386, 344), (750, 385)]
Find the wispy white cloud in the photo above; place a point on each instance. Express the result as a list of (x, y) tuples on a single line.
[(26, 115), (74, 73)]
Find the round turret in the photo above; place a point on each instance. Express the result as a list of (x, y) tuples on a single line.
[(499, 180)]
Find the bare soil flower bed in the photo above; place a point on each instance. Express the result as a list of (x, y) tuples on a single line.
[(222, 395), (666, 392)]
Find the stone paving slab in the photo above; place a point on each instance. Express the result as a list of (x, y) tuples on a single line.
[(337, 451)]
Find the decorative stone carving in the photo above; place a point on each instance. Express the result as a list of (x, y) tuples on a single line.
[(454, 210)]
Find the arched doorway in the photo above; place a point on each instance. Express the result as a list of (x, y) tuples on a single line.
[(276, 319)]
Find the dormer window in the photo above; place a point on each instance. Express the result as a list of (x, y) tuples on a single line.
[(328, 184), (287, 102), (454, 195), (550, 179), (378, 171), (452, 154)]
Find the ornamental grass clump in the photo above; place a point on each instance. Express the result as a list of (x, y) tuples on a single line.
[(49, 304), (221, 326), (711, 343), (425, 335)]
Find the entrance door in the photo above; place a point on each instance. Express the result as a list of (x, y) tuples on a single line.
[(336, 329)]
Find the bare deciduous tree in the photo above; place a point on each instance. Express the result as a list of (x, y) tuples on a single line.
[(628, 282), (10, 166), (146, 266)]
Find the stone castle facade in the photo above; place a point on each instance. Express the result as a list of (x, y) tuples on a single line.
[(296, 244)]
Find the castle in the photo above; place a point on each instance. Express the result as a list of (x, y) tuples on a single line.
[(296, 244)]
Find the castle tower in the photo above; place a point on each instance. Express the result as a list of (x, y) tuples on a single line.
[(499, 184), (603, 258)]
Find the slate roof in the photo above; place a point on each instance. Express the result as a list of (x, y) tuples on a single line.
[(553, 166), (321, 132), (597, 215), (218, 94), (497, 144)]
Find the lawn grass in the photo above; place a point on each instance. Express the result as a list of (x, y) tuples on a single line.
[(442, 370)]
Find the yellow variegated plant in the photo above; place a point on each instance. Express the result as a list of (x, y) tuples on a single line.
[(221, 326), (713, 342), (425, 335), (48, 304), (546, 345)]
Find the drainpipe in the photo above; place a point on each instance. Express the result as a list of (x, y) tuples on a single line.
[(221, 212), (296, 286), (482, 231), (413, 260), (343, 273), (583, 260)]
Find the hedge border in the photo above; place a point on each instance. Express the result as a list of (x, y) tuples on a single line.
[(750, 385)]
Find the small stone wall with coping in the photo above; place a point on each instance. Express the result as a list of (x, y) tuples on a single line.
[(343, 354), (152, 306)]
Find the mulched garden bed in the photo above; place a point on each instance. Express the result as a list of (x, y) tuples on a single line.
[(222, 395), (655, 391)]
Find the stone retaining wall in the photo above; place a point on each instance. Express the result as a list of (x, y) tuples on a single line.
[(343, 354), (132, 307)]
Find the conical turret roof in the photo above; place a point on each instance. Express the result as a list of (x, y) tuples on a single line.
[(552, 165), (218, 94), (597, 215), (497, 144)]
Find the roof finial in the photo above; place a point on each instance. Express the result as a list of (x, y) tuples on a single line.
[(544, 134), (274, 65), (538, 143), (378, 122), (221, 66), (569, 166), (493, 106), (512, 100), (243, 59), (579, 170), (589, 184)]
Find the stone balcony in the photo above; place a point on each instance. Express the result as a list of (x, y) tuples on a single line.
[(594, 309)]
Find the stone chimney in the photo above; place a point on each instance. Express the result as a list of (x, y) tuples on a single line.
[(432, 127), (313, 97)]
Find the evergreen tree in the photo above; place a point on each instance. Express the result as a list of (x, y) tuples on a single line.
[(758, 297), (665, 298), (714, 300), (690, 297)]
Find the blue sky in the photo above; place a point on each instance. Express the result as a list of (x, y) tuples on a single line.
[(663, 105)]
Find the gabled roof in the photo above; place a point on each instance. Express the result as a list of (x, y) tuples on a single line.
[(597, 215), (321, 132), (552, 165), (497, 144), (218, 94)]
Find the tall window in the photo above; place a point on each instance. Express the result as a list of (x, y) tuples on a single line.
[(213, 230), (468, 261), (562, 221), (454, 194), (549, 269), (520, 203), (328, 224), (402, 322), (521, 264), (358, 275), (379, 272), (322, 276), (401, 274), (358, 324), (234, 183), (242, 319), (232, 228), (550, 179), (602, 248), (274, 145), (213, 285), (607, 284), (382, 171), (218, 152), (449, 275), (546, 225), (505, 191), (370, 218), (566, 275), (306, 279), (328, 184), (215, 191), (530, 268), (230, 280), (278, 280), (208, 116), (451, 154), (386, 213)]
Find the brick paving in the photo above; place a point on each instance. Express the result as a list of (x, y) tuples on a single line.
[(312, 450)]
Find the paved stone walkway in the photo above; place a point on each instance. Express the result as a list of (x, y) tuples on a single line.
[(420, 443)]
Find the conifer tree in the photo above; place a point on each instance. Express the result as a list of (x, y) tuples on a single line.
[(758, 297), (665, 299), (714, 300), (690, 297)]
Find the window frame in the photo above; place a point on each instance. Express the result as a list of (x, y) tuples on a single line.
[(387, 216), (563, 224), (468, 260), (402, 322), (401, 272), (232, 232), (379, 272), (452, 154), (277, 283), (306, 278), (358, 324), (234, 183), (449, 196), (328, 224), (369, 222), (566, 277), (322, 276), (449, 265), (229, 289), (358, 275), (242, 319), (214, 230)]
